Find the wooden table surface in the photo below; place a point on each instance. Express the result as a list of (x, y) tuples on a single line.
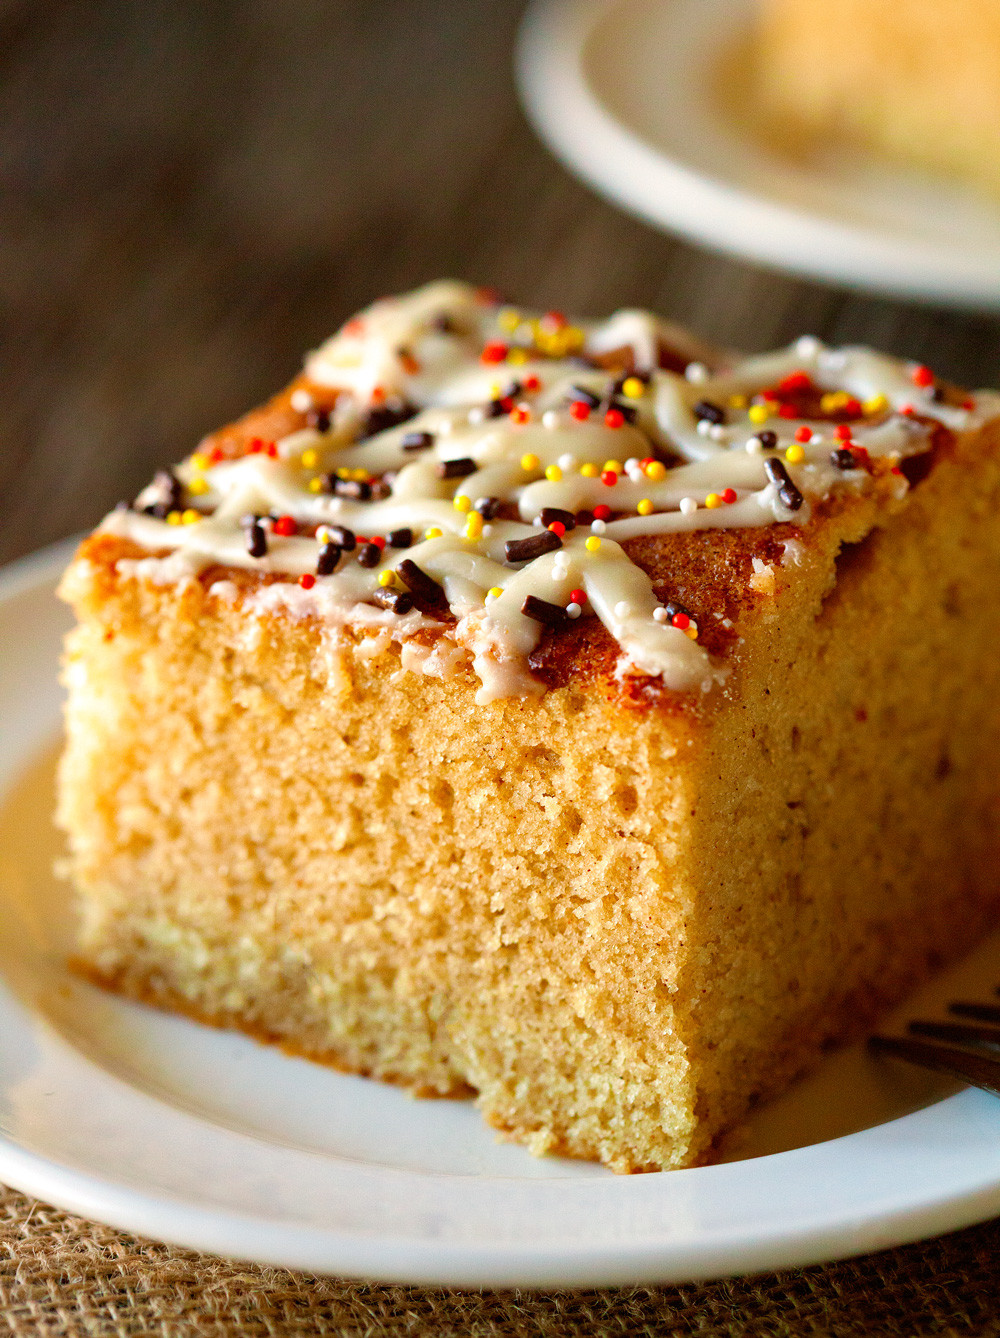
[(195, 192)]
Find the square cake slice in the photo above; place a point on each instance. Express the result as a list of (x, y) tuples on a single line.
[(557, 712)]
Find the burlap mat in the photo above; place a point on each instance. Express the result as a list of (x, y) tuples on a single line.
[(63, 1276)]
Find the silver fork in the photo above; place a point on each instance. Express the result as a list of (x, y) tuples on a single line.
[(974, 1065)]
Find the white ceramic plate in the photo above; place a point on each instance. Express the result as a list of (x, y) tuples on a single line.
[(626, 93), (203, 1138)]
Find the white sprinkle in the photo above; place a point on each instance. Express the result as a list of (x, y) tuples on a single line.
[(301, 400), (336, 506), (833, 359), (566, 462), (696, 372), (550, 418), (477, 415), (808, 346), (635, 473), (631, 463), (754, 446), (598, 527), (622, 610), (537, 521), (573, 610), (487, 531), (688, 506), (704, 427), (445, 427), (717, 432), (660, 614), (558, 573)]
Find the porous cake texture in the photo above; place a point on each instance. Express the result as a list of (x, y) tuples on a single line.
[(918, 79), (617, 882)]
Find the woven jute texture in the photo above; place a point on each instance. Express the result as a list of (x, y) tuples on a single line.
[(63, 1276)]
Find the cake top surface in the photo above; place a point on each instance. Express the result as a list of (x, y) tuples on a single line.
[(450, 465)]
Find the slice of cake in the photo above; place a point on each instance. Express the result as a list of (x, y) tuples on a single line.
[(917, 79), (549, 711)]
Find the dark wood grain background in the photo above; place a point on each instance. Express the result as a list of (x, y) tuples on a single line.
[(193, 192)]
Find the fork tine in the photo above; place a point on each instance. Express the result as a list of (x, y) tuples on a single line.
[(976, 1070), (980, 1011), (961, 1033)]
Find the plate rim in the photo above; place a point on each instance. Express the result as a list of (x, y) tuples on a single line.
[(620, 164), (425, 1260)]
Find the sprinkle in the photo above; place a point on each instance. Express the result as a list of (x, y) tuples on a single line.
[(660, 614), (557, 528), (417, 441), (198, 487), (622, 610), (877, 404), (656, 470), (529, 462), (329, 556), (508, 318), (456, 469), (589, 470), (462, 503), (614, 418), (681, 621), (553, 473), (541, 611), (593, 544), (696, 373), (713, 500), (494, 351), (419, 582), (729, 496), (579, 411), (803, 433), (550, 419), (567, 462), (922, 376), (488, 507), (473, 525), (531, 384), (691, 632), (476, 415), (354, 489), (758, 413), (710, 412), (526, 550), (573, 609), (598, 526), (199, 461), (310, 459), (842, 432), (795, 455), (319, 419), (517, 357), (578, 597), (307, 580), (807, 346), (387, 578), (341, 535), (768, 440), (369, 555), (609, 478), (552, 515), (521, 414), (433, 533), (633, 388), (842, 458), (754, 446), (493, 593), (190, 516), (315, 485), (602, 512), (285, 526), (300, 400), (256, 537), (787, 490), (738, 401), (688, 506), (397, 601), (645, 507)]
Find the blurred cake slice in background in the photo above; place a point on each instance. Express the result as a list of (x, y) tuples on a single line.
[(918, 79)]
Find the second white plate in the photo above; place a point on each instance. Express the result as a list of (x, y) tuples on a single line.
[(204, 1138), (625, 92)]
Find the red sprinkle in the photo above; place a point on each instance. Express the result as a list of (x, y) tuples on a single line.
[(853, 408), (554, 320), (922, 376), (558, 528), (378, 395), (578, 597), (494, 352), (272, 449), (644, 464), (609, 478), (307, 581), (842, 432), (792, 384), (354, 326), (256, 445), (614, 418), (908, 410), (377, 540), (803, 433), (579, 411), (787, 411), (531, 383), (216, 453), (602, 512), (729, 495), (681, 620), (285, 526), (520, 414)]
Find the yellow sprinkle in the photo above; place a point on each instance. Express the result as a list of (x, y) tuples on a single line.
[(795, 454), (529, 461), (343, 473), (656, 471), (713, 500), (198, 487), (645, 507), (692, 632), (517, 357), (361, 475), (495, 591), (199, 461), (593, 544), (190, 516), (554, 474), (613, 465), (572, 337), (495, 390), (758, 413), (315, 485), (633, 388), (173, 518), (386, 578), (738, 401), (462, 503), (589, 471), (433, 533), (877, 404), (474, 525), (310, 459), (833, 400), (509, 319)]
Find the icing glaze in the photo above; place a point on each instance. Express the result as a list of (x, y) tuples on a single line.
[(496, 419)]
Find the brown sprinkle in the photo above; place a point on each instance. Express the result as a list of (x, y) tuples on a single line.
[(535, 546), (396, 600), (456, 469), (552, 615), (419, 583)]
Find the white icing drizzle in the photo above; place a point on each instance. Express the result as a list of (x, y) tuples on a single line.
[(425, 351)]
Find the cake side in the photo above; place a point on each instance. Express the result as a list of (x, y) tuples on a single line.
[(919, 79)]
